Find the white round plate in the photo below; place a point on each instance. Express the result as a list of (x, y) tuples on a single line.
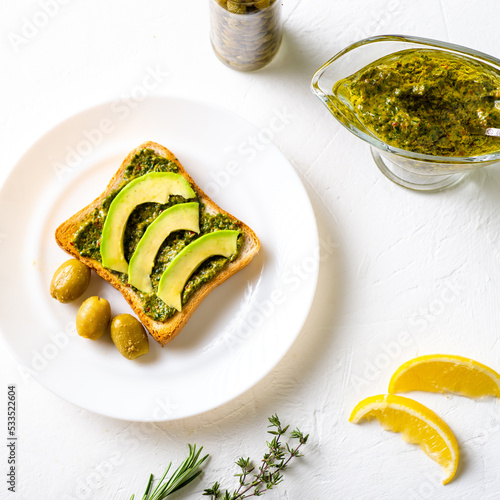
[(239, 332)]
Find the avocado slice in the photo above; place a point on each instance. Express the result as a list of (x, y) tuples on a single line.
[(181, 216), (154, 187), (189, 259)]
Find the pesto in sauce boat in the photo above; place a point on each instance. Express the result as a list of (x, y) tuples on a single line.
[(427, 101)]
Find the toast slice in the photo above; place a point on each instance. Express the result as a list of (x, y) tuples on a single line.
[(165, 330)]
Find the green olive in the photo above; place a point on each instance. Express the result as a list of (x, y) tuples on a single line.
[(129, 337), (70, 281), (93, 317), (234, 6), (262, 4)]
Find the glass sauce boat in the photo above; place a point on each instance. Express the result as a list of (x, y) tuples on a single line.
[(416, 171)]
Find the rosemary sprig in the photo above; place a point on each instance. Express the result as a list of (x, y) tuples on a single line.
[(184, 474), (268, 475)]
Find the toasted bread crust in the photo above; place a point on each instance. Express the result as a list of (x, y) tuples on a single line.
[(161, 331)]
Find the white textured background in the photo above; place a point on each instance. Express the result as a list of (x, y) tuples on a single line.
[(402, 273)]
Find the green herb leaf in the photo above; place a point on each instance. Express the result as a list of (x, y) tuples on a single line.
[(268, 474), (189, 470)]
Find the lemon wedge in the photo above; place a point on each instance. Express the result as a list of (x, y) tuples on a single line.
[(447, 374), (416, 423)]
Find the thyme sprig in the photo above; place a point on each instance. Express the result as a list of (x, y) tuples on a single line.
[(189, 470), (268, 475)]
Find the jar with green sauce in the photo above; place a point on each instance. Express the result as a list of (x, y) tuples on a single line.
[(426, 108), (245, 35)]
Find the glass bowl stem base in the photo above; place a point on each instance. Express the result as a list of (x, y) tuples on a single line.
[(411, 180)]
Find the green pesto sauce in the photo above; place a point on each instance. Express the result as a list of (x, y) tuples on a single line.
[(427, 101), (88, 237)]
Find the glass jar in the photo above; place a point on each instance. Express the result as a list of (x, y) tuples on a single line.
[(245, 35)]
